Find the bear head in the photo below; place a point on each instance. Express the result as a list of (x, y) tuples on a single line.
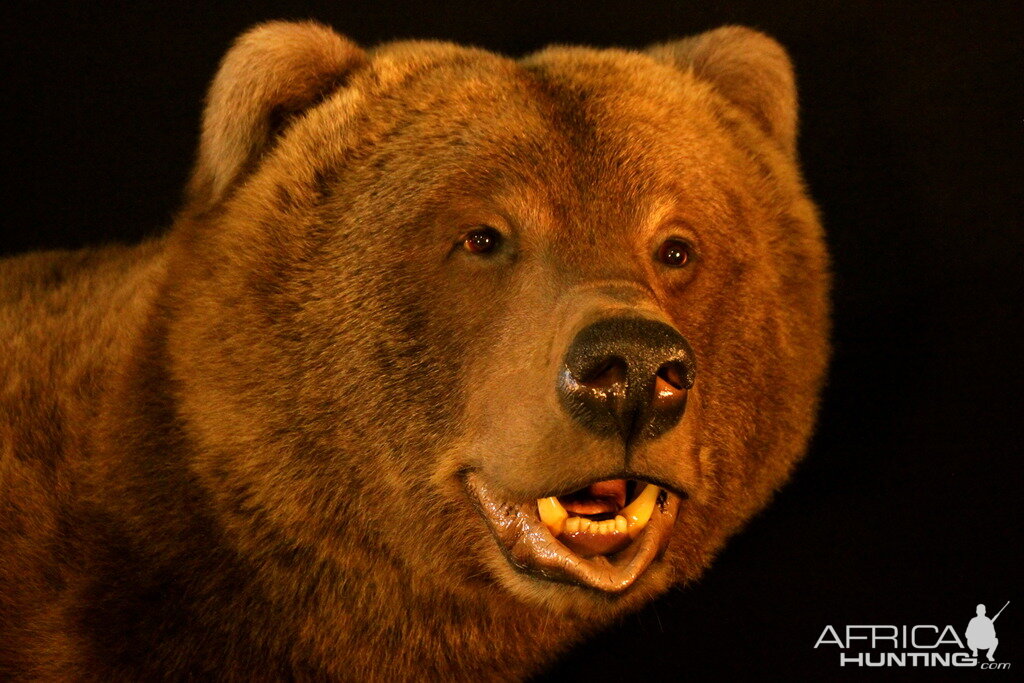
[(441, 318)]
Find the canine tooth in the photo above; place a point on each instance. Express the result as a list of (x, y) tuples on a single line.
[(609, 526), (572, 525), (620, 524), (640, 510), (552, 514), (585, 524)]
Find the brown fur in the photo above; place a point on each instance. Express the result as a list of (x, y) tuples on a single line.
[(235, 450)]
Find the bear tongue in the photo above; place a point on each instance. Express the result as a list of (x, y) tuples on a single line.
[(600, 497)]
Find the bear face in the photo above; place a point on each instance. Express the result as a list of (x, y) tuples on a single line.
[(385, 294), (431, 322)]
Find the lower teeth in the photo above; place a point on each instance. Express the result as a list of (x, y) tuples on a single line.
[(630, 521), (608, 526)]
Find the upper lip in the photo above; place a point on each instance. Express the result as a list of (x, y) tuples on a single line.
[(530, 548)]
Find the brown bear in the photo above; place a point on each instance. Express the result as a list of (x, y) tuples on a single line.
[(448, 360)]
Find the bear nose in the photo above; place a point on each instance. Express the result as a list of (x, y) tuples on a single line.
[(627, 376)]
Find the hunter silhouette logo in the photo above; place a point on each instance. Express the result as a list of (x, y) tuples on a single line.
[(921, 645), (981, 632)]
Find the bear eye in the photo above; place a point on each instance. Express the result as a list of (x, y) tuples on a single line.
[(482, 240), (675, 252)]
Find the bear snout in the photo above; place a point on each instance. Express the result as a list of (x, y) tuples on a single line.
[(627, 376)]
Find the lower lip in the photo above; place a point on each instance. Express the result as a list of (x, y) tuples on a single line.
[(588, 545)]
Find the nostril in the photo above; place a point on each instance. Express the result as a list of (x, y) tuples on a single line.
[(609, 373), (670, 384), (673, 374)]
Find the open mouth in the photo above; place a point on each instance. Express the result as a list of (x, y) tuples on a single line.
[(602, 536)]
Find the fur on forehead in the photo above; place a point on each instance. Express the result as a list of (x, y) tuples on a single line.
[(279, 70)]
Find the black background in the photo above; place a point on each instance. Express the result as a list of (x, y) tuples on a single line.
[(907, 510)]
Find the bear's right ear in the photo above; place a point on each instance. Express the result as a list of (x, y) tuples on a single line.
[(271, 73)]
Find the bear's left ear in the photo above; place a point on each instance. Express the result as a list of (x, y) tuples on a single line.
[(271, 73), (748, 68)]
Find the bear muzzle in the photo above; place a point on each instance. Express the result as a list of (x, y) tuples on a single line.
[(600, 512)]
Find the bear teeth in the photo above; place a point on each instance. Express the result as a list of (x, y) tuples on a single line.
[(630, 521), (552, 514)]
